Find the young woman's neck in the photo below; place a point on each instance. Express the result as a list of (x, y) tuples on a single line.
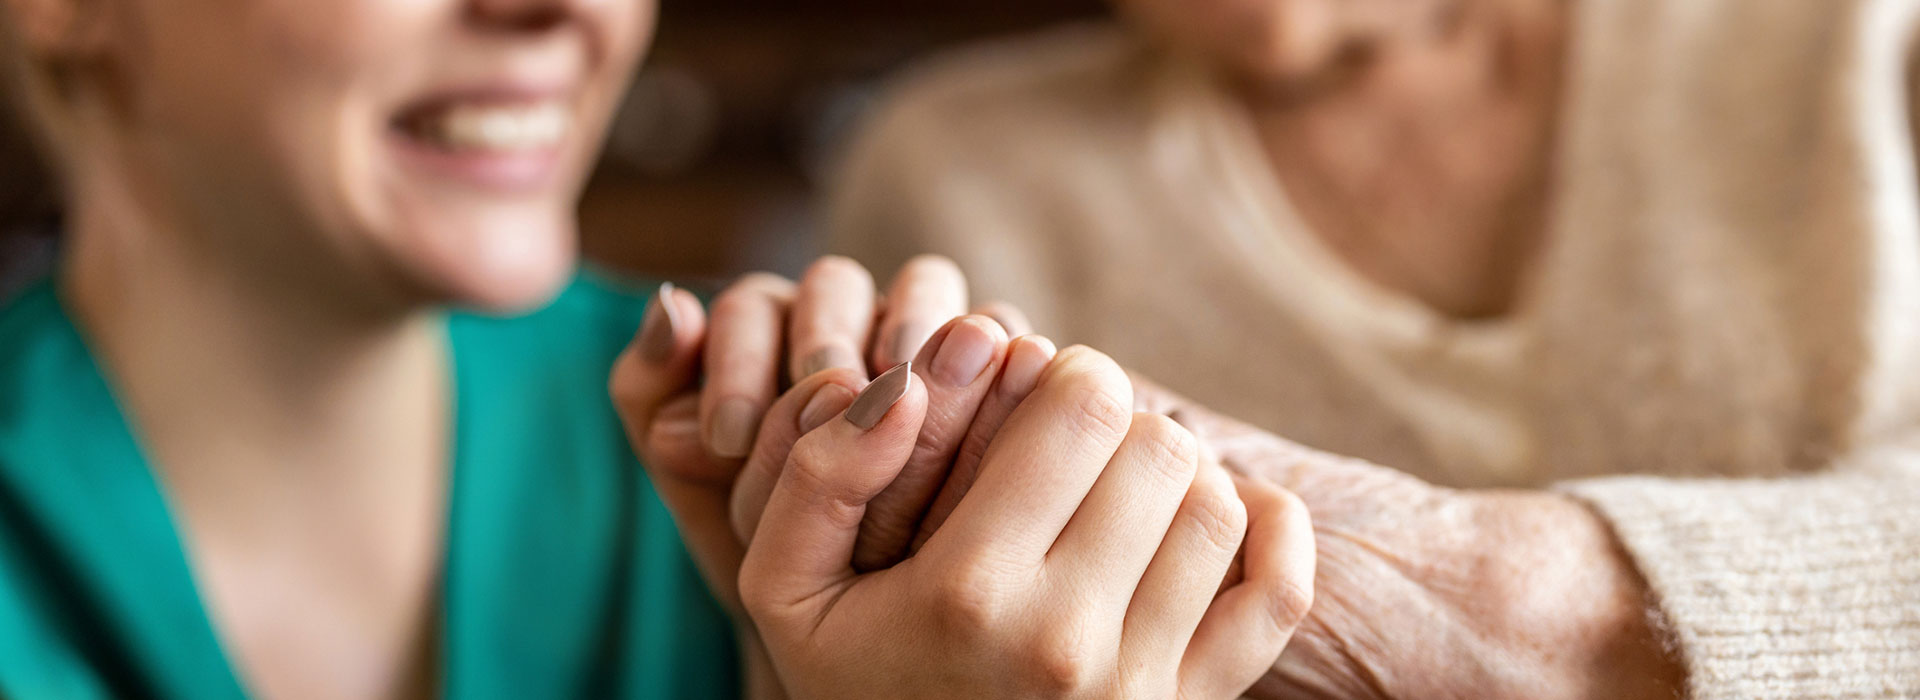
[(234, 368), (1424, 159)]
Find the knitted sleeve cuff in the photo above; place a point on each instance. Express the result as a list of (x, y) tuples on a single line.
[(1804, 587)]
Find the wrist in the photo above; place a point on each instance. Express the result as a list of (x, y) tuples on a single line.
[(1573, 599)]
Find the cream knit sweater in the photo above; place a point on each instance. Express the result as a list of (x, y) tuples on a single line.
[(1722, 353)]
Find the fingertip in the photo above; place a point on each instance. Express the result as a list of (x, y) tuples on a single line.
[(963, 352), (1008, 316), (931, 264), (838, 268)]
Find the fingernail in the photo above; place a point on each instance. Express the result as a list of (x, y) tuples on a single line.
[(733, 423), (907, 339), (828, 357), (825, 404), (656, 333), (963, 355), (1027, 357), (880, 396)]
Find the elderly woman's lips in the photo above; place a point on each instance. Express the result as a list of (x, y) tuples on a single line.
[(498, 145)]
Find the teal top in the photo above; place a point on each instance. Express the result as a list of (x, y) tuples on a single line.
[(563, 577)]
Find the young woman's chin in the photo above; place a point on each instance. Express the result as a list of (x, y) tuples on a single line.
[(507, 262)]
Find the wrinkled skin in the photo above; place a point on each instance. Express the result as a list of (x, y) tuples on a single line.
[(1430, 592)]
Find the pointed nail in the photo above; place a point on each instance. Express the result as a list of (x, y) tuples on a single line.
[(656, 333), (880, 396), (734, 421), (828, 357)]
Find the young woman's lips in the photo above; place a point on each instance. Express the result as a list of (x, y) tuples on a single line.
[(508, 145)]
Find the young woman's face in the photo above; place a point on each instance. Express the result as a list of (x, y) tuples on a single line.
[(435, 146)]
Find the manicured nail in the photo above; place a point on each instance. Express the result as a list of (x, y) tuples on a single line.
[(733, 424), (880, 396), (962, 355), (656, 333), (826, 358), (907, 339), (828, 402)]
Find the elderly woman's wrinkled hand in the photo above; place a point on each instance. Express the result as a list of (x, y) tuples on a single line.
[(1428, 592)]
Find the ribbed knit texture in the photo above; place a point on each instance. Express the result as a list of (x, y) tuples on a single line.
[(1801, 587), (1722, 352)]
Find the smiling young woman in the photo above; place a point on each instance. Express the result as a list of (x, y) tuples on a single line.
[(245, 448), (312, 408)]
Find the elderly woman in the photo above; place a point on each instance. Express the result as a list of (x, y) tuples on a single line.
[(1656, 264), (317, 406)]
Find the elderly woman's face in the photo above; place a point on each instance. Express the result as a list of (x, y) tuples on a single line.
[(1275, 40), (437, 144)]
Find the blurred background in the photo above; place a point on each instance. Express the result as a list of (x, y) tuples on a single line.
[(736, 115)]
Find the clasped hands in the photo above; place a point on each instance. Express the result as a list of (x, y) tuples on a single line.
[(1002, 524), (1005, 524)]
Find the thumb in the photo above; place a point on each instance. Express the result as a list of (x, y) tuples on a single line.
[(659, 365), (654, 389), (803, 544)]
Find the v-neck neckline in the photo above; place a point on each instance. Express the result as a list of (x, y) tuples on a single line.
[(1225, 140), (150, 532)]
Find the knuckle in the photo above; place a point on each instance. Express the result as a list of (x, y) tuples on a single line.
[(1220, 517), (1098, 412), (759, 597), (810, 474), (971, 604), (1169, 448), (1288, 602), (1063, 662)]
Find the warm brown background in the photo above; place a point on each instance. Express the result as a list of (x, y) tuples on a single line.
[(739, 107)]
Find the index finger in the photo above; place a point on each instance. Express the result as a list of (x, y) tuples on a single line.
[(1044, 461), (832, 318), (742, 361)]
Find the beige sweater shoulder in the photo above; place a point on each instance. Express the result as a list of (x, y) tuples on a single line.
[(1721, 355)]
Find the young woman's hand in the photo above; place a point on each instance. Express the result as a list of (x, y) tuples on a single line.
[(1083, 562), (679, 384), (689, 383)]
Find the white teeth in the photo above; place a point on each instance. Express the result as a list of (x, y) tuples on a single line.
[(499, 127)]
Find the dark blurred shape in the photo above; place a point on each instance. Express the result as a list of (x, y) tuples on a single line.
[(742, 103), (27, 205), (26, 191)]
